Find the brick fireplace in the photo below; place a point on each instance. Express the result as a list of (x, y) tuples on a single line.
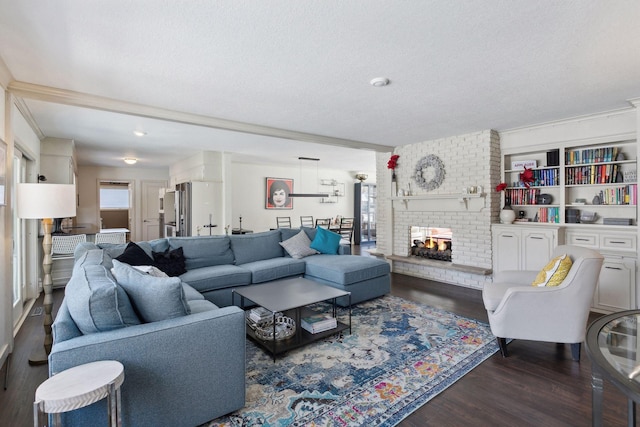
[(469, 160)]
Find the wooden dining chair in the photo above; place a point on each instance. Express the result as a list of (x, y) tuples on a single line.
[(283, 221), (306, 221), (323, 223), (346, 229)]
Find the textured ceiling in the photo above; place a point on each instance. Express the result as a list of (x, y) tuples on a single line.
[(305, 66)]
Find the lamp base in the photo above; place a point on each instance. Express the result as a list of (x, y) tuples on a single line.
[(38, 357)]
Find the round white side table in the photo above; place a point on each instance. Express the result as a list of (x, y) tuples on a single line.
[(81, 386)]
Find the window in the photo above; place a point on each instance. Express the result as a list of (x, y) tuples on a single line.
[(114, 196)]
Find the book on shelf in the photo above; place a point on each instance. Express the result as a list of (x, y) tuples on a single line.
[(318, 323)]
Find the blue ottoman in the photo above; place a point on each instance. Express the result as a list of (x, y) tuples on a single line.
[(364, 277)]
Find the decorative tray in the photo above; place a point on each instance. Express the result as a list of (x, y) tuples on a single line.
[(285, 327)]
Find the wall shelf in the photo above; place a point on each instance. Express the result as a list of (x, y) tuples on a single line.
[(337, 190), (440, 196), (448, 202)]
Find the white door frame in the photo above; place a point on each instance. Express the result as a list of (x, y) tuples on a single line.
[(150, 208)]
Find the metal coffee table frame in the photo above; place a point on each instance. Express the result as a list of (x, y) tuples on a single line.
[(291, 297), (599, 344)]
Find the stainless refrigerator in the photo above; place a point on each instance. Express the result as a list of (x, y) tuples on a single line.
[(199, 209)]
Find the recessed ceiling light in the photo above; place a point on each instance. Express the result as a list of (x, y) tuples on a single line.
[(139, 133), (130, 160), (379, 81)]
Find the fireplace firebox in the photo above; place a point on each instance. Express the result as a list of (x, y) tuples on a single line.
[(431, 242)]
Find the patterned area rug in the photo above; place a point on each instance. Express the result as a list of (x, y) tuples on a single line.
[(400, 355)]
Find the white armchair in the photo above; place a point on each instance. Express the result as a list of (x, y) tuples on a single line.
[(557, 314)]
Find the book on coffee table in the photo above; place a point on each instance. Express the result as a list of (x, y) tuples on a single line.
[(260, 314), (318, 323)]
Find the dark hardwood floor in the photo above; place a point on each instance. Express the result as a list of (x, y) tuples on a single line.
[(537, 385)]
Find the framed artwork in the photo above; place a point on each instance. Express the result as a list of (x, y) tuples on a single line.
[(277, 193), (3, 173)]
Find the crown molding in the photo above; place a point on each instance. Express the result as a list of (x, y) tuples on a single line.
[(79, 99), (5, 74), (26, 113), (634, 101)]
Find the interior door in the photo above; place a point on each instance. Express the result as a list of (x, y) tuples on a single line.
[(151, 209)]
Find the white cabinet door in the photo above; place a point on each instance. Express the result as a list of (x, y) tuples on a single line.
[(537, 248), (506, 252), (617, 284)]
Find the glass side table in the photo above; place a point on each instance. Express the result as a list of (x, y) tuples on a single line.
[(614, 349)]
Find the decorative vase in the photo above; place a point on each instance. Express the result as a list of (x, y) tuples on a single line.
[(507, 215)]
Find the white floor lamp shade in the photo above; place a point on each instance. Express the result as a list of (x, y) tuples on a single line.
[(46, 202)]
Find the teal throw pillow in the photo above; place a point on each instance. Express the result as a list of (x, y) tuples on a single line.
[(153, 298), (326, 242)]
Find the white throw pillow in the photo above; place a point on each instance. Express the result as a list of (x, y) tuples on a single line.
[(298, 246), (151, 270)]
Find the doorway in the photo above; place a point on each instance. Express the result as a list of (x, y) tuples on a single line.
[(115, 201)]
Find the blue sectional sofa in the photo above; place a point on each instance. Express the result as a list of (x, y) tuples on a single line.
[(189, 368)]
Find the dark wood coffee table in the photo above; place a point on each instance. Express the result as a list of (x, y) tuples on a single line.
[(291, 297)]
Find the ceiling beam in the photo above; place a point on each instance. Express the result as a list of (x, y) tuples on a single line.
[(79, 99)]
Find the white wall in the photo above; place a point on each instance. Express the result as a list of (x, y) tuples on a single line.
[(6, 317), (88, 182), (14, 130), (248, 190)]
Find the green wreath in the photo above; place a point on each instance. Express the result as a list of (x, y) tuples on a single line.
[(429, 172)]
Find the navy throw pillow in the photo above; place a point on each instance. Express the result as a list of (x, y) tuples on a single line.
[(134, 255), (170, 261)]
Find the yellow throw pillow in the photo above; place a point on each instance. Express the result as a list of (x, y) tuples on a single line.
[(554, 272)]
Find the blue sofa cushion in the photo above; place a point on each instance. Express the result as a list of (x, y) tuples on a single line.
[(256, 247), (95, 301), (216, 277), (274, 268), (326, 242), (345, 269), (64, 328), (170, 261), (288, 233), (203, 251), (93, 257), (153, 298), (201, 305), (190, 294), (157, 245)]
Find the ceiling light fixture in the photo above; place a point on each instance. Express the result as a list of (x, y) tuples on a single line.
[(308, 194), (130, 160), (379, 82), (139, 133)]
